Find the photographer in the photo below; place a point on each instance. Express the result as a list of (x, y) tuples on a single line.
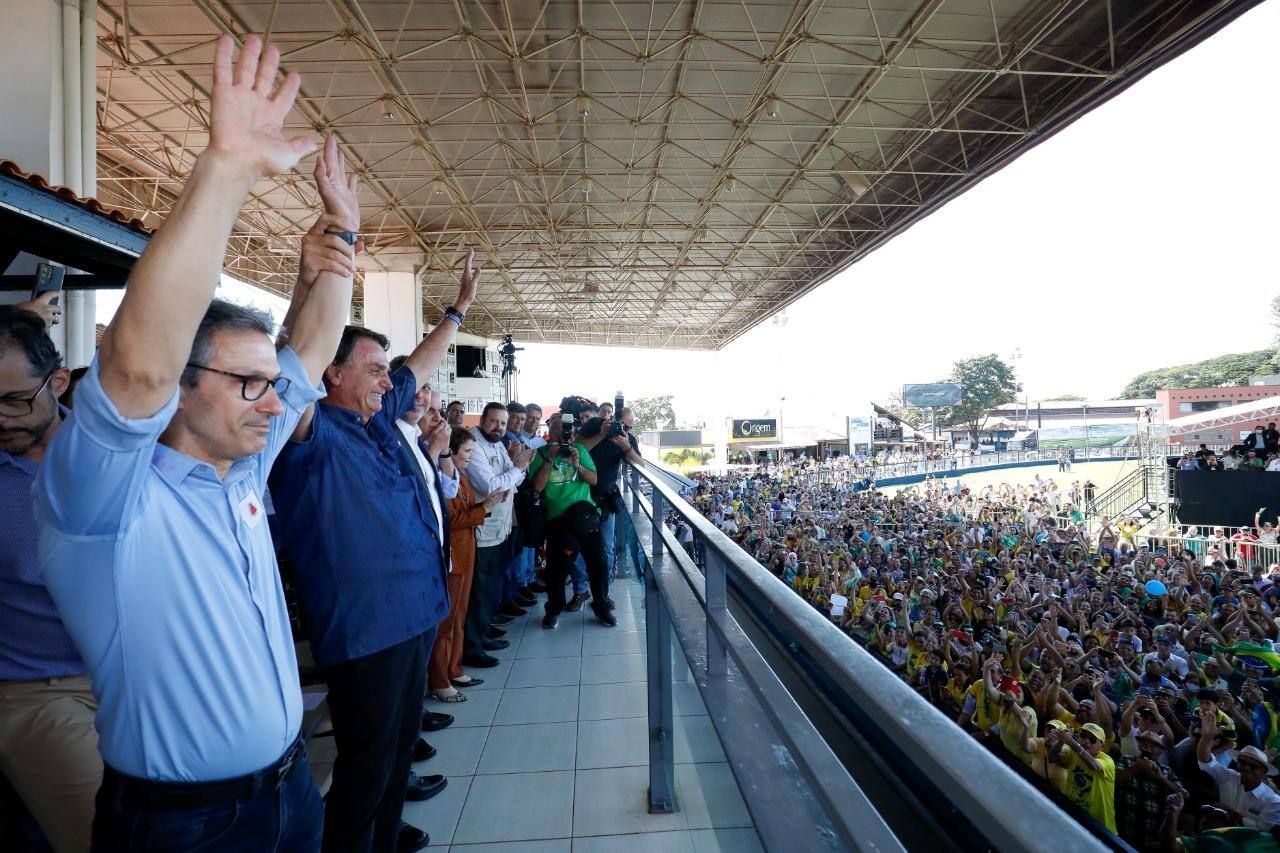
[(564, 473), (610, 441)]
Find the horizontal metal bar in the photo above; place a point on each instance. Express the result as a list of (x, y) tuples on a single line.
[(978, 783)]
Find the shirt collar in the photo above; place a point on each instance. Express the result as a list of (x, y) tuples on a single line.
[(26, 466), (174, 467)]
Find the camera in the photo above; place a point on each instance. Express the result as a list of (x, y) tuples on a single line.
[(568, 435)]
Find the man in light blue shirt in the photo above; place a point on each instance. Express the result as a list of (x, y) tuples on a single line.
[(153, 536)]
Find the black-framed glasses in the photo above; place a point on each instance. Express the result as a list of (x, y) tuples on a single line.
[(252, 386), (23, 406)]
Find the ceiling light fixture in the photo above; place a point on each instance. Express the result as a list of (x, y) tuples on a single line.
[(584, 105), (586, 185), (771, 107)]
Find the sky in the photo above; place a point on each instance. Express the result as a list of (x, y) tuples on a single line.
[(1137, 238)]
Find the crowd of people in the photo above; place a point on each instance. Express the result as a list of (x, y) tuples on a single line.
[(150, 696), (1259, 451), (1134, 676)]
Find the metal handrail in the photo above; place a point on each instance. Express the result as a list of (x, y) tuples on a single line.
[(979, 785)]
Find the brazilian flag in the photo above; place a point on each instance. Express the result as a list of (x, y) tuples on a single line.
[(1254, 654)]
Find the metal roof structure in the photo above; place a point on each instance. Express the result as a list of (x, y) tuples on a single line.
[(662, 174), (1254, 410)]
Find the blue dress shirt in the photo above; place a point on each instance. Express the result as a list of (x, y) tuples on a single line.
[(34, 644), (358, 528), (166, 578)]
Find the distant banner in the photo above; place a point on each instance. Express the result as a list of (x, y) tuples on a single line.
[(860, 431), (754, 429), (928, 396)]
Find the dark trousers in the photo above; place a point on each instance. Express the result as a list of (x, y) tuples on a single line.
[(562, 549), (266, 812), (485, 588), (376, 705)]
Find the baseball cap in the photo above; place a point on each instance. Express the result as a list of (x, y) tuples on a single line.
[(1095, 730), (1057, 724)]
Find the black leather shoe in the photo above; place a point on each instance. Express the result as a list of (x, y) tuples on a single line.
[(479, 659), (411, 839), (500, 620), (494, 645), (511, 609), (433, 721), (537, 587), (463, 685), (423, 751), (424, 787), (496, 633), (550, 621), (575, 603), (604, 617), (608, 603), (526, 600)]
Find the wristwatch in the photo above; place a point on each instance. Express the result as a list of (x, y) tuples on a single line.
[(455, 315), (349, 237), (446, 454)]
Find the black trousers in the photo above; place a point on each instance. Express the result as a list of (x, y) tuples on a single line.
[(491, 568), (562, 549), (376, 705)]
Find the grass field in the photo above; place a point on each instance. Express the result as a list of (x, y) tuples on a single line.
[(1103, 475)]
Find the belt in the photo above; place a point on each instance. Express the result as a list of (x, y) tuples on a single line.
[(133, 792)]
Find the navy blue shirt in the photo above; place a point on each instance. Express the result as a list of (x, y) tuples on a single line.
[(358, 527), (34, 644)]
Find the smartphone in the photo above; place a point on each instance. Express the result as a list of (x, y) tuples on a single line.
[(48, 277)]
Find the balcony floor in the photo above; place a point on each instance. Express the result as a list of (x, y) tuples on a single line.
[(550, 754)]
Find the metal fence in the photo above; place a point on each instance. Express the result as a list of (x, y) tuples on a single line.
[(800, 795)]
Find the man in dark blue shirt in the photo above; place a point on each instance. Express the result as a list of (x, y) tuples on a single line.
[(357, 523), (48, 744)]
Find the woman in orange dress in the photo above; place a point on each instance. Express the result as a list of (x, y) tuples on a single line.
[(444, 670)]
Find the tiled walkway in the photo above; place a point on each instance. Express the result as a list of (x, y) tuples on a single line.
[(550, 754)]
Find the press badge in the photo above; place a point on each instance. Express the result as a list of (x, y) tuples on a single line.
[(252, 511)]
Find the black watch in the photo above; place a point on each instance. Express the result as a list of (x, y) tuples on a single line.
[(446, 454), (349, 237)]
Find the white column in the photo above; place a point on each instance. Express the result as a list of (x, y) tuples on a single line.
[(48, 53), (393, 306)]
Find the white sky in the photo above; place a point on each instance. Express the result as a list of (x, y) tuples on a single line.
[(1131, 240), (1134, 239)]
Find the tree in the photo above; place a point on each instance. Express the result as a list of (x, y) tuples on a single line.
[(909, 415), (1234, 369), (653, 413), (988, 382), (1064, 398), (1275, 318)]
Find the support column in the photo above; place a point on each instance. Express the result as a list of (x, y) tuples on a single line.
[(393, 306), (48, 56)]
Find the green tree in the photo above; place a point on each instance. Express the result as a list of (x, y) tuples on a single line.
[(653, 413), (1234, 369), (909, 415), (1275, 318), (988, 382)]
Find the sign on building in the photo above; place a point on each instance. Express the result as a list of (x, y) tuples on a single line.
[(933, 395), (860, 429), (754, 429)]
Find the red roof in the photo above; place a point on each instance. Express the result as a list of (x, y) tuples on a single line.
[(10, 168)]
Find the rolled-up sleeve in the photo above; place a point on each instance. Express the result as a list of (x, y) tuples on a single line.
[(95, 467), (300, 395), (449, 485)]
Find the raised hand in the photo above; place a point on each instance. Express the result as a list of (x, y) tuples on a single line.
[(247, 125), (43, 307), (469, 283), (339, 190), (323, 252)]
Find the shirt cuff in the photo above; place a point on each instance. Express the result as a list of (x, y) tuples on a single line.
[(98, 418), (301, 393)]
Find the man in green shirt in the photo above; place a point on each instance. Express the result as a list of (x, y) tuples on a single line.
[(564, 475)]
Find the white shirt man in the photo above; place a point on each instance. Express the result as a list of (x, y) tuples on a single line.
[(1258, 809)]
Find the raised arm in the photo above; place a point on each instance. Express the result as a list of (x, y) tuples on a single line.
[(146, 347), (426, 357)]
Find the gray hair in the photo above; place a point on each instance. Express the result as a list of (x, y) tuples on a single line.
[(223, 316)]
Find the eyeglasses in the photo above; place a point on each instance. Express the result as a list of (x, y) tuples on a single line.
[(23, 406), (252, 387)]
